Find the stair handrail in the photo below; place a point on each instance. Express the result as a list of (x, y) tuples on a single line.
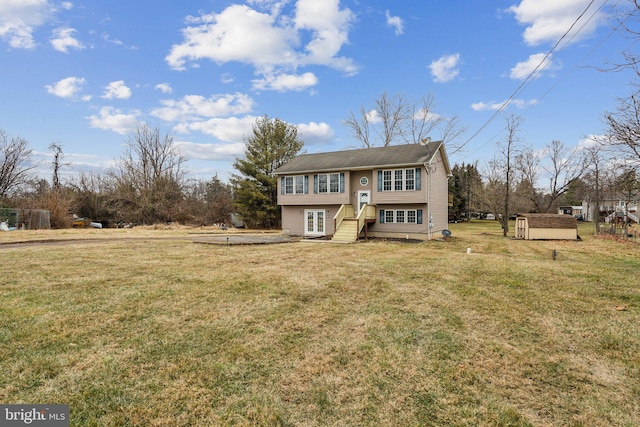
[(342, 213)]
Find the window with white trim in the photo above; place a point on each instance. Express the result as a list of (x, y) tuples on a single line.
[(401, 216), (399, 180), (386, 180), (329, 183), (294, 184)]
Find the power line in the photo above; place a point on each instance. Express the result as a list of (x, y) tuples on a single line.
[(534, 73)]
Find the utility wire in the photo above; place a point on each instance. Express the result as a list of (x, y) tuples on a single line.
[(535, 72)]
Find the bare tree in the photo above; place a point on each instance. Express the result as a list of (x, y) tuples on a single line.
[(360, 126), (57, 164), (564, 166), (595, 178), (627, 185), (395, 119), (528, 164), (624, 126), (385, 119), (149, 177), (15, 165), (502, 174)]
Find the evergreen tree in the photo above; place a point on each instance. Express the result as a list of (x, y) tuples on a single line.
[(465, 185), (272, 144)]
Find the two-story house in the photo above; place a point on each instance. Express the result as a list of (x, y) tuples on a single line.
[(397, 191)]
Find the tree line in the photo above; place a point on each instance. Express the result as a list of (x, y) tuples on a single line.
[(149, 183)]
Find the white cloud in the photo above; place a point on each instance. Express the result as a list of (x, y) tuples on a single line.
[(329, 26), (518, 103), (192, 150), (62, 39), (522, 69), (112, 119), (164, 88), (231, 129), (285, 82), (374, 116), (315, 133), (239, 34), (66, 88), (19, 19), (445, 68), (117, 90), (548, 20), (196, 107), (67, 5), (117, 42), (395, 22), (270, 42)]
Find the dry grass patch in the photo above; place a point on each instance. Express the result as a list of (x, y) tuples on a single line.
[(378, 333)]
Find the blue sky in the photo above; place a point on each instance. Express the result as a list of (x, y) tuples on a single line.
[(86, 74)]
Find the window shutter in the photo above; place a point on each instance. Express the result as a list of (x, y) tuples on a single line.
[(418, 179), (282, 185), (315, 184), (379, 180), (306, 184), (419, 216), (381, 216), (342, 182)]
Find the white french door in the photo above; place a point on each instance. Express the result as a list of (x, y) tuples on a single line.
[(314, 222)]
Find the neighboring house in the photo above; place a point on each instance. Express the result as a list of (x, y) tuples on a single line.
[(397, 191), (546, 227), (611, 209), (572, 210)]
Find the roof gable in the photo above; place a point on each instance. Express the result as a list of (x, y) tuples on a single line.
[(365, 158)]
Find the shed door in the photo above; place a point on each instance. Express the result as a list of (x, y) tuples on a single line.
[(521, 225)]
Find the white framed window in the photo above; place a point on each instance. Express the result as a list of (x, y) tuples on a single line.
[(334, 183), (401, 216), (322, 184), (389, 216), (328, 183), (294, 184), (399, 180), (386, 181), (409, 179), (299, 184)]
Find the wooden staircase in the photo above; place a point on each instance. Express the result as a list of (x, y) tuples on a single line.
[(348, 231), (348, 225)]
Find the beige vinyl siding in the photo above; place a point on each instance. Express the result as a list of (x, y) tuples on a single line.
[(400, 227), (312, 199), (439, 196), (294, 220), (392, 197)]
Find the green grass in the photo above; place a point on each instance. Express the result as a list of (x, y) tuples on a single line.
[(164, 333)]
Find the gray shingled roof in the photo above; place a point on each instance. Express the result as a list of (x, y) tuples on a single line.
[(364, 158)]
